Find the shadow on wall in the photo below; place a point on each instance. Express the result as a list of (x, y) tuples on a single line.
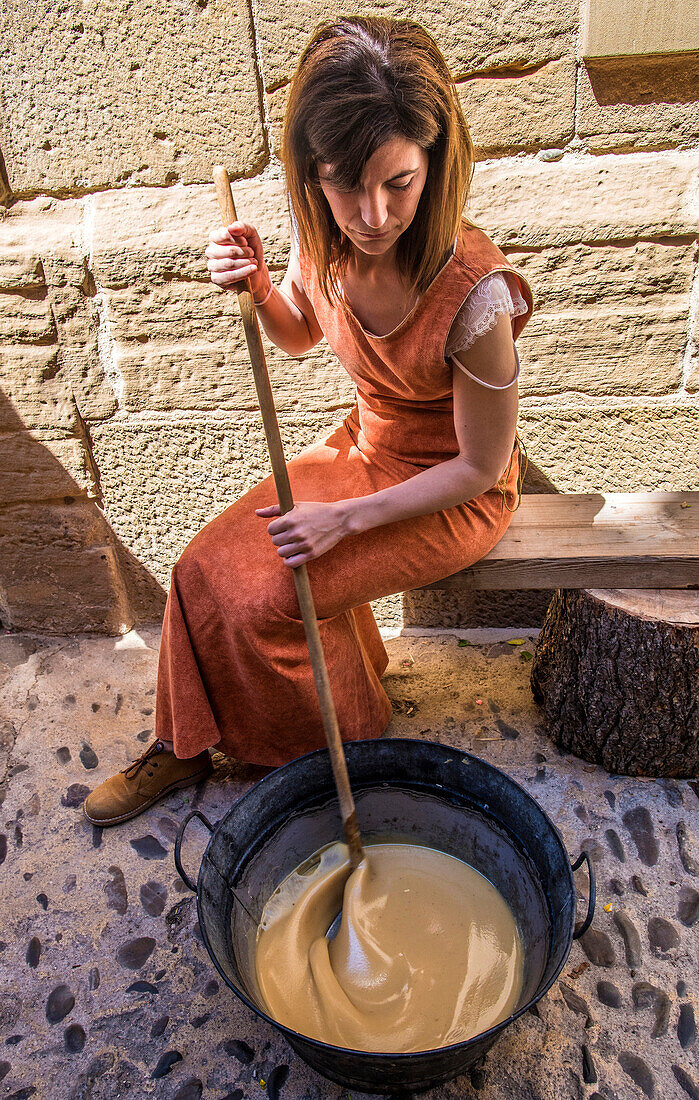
[(62, 568), (669, 79)]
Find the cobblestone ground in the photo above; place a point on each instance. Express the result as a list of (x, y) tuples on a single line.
[(108, 991)]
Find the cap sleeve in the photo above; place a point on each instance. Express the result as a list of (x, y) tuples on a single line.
[(493, 295)]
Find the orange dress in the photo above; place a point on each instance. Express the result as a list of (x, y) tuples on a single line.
[(234, 671)]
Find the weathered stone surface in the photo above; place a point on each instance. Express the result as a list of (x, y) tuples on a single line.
[(609, 447), (605, 352), (44, 259), (40, 385), (431, 607), (585, 198), (164, 478), (27, 317), (611, 276), (691, 380), (206, 376), (49, 320), (68, 581), (38, 466), (616, 114), (156, 118), (614, 29), (521, 36), (608, 318), (33, 231), (148, 235), (529, 110)]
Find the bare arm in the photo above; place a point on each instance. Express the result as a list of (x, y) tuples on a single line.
[(290, 298), (485, 421)]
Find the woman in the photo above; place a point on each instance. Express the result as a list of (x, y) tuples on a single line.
[(420, 480)]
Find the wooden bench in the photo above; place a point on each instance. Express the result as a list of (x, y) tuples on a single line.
[(616, 666), (592, 540)]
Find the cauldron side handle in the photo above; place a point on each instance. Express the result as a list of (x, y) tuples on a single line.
[(584, 857), (178, 846)]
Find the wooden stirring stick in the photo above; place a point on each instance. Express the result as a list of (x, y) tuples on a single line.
[(286, 503)]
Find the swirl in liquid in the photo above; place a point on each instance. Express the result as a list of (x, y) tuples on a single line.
[(427, 954)]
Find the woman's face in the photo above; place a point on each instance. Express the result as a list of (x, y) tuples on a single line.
[(382, 207)]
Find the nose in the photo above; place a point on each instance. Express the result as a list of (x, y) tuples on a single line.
[(373, 208)]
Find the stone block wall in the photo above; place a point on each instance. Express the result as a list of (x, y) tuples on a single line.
[(128, 417)]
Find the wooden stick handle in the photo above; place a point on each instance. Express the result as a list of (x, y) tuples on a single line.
[(286, 503)]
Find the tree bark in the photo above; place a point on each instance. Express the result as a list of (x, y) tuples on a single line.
[(617, 672)]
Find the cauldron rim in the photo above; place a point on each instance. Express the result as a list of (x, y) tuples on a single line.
[(490, 1033)]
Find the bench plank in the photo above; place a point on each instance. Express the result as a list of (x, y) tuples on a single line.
[(592, 540)]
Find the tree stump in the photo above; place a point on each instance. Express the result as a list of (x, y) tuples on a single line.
[(617, 672)]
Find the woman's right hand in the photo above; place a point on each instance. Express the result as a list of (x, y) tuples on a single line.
[(235, 253)]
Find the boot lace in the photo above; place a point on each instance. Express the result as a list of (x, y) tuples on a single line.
[(145, 758)]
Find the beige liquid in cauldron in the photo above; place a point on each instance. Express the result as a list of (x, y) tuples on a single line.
[(428, 953)]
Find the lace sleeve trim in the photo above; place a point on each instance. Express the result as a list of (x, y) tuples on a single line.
[(488, 299)]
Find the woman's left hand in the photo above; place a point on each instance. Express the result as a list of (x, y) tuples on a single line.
[(307, 531)]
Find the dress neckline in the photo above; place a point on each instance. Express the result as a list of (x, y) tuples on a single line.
[(386, 335)]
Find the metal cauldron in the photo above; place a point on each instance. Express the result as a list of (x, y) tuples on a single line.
[(420, 792)]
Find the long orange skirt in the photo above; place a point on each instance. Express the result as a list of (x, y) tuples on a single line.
[(234, 671)]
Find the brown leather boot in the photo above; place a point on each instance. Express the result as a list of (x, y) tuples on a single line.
[(151, 777)]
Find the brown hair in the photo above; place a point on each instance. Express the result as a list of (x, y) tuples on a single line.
[(359, 83)]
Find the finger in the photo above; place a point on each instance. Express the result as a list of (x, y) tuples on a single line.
[(277, 526), (269, 510), (298, 559), (242, 229), (224, 278), (289, 549), (229, 252), (289, 538), (230, 263)]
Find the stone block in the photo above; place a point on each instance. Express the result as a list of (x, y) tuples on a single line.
[(195, 375), (529, 110), (613, 447), (472, 39), (59, 570), (164, 477), (40, 385), (691, 378), (608, 319), (603, 351), (146, 235), (27, 317), (49, 319), (532, 203), (620, 28), (36, 232), (276, 109), (143, 92), (441, 610), (44, 258), (39, 466), (610, 276), (626, 110)]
